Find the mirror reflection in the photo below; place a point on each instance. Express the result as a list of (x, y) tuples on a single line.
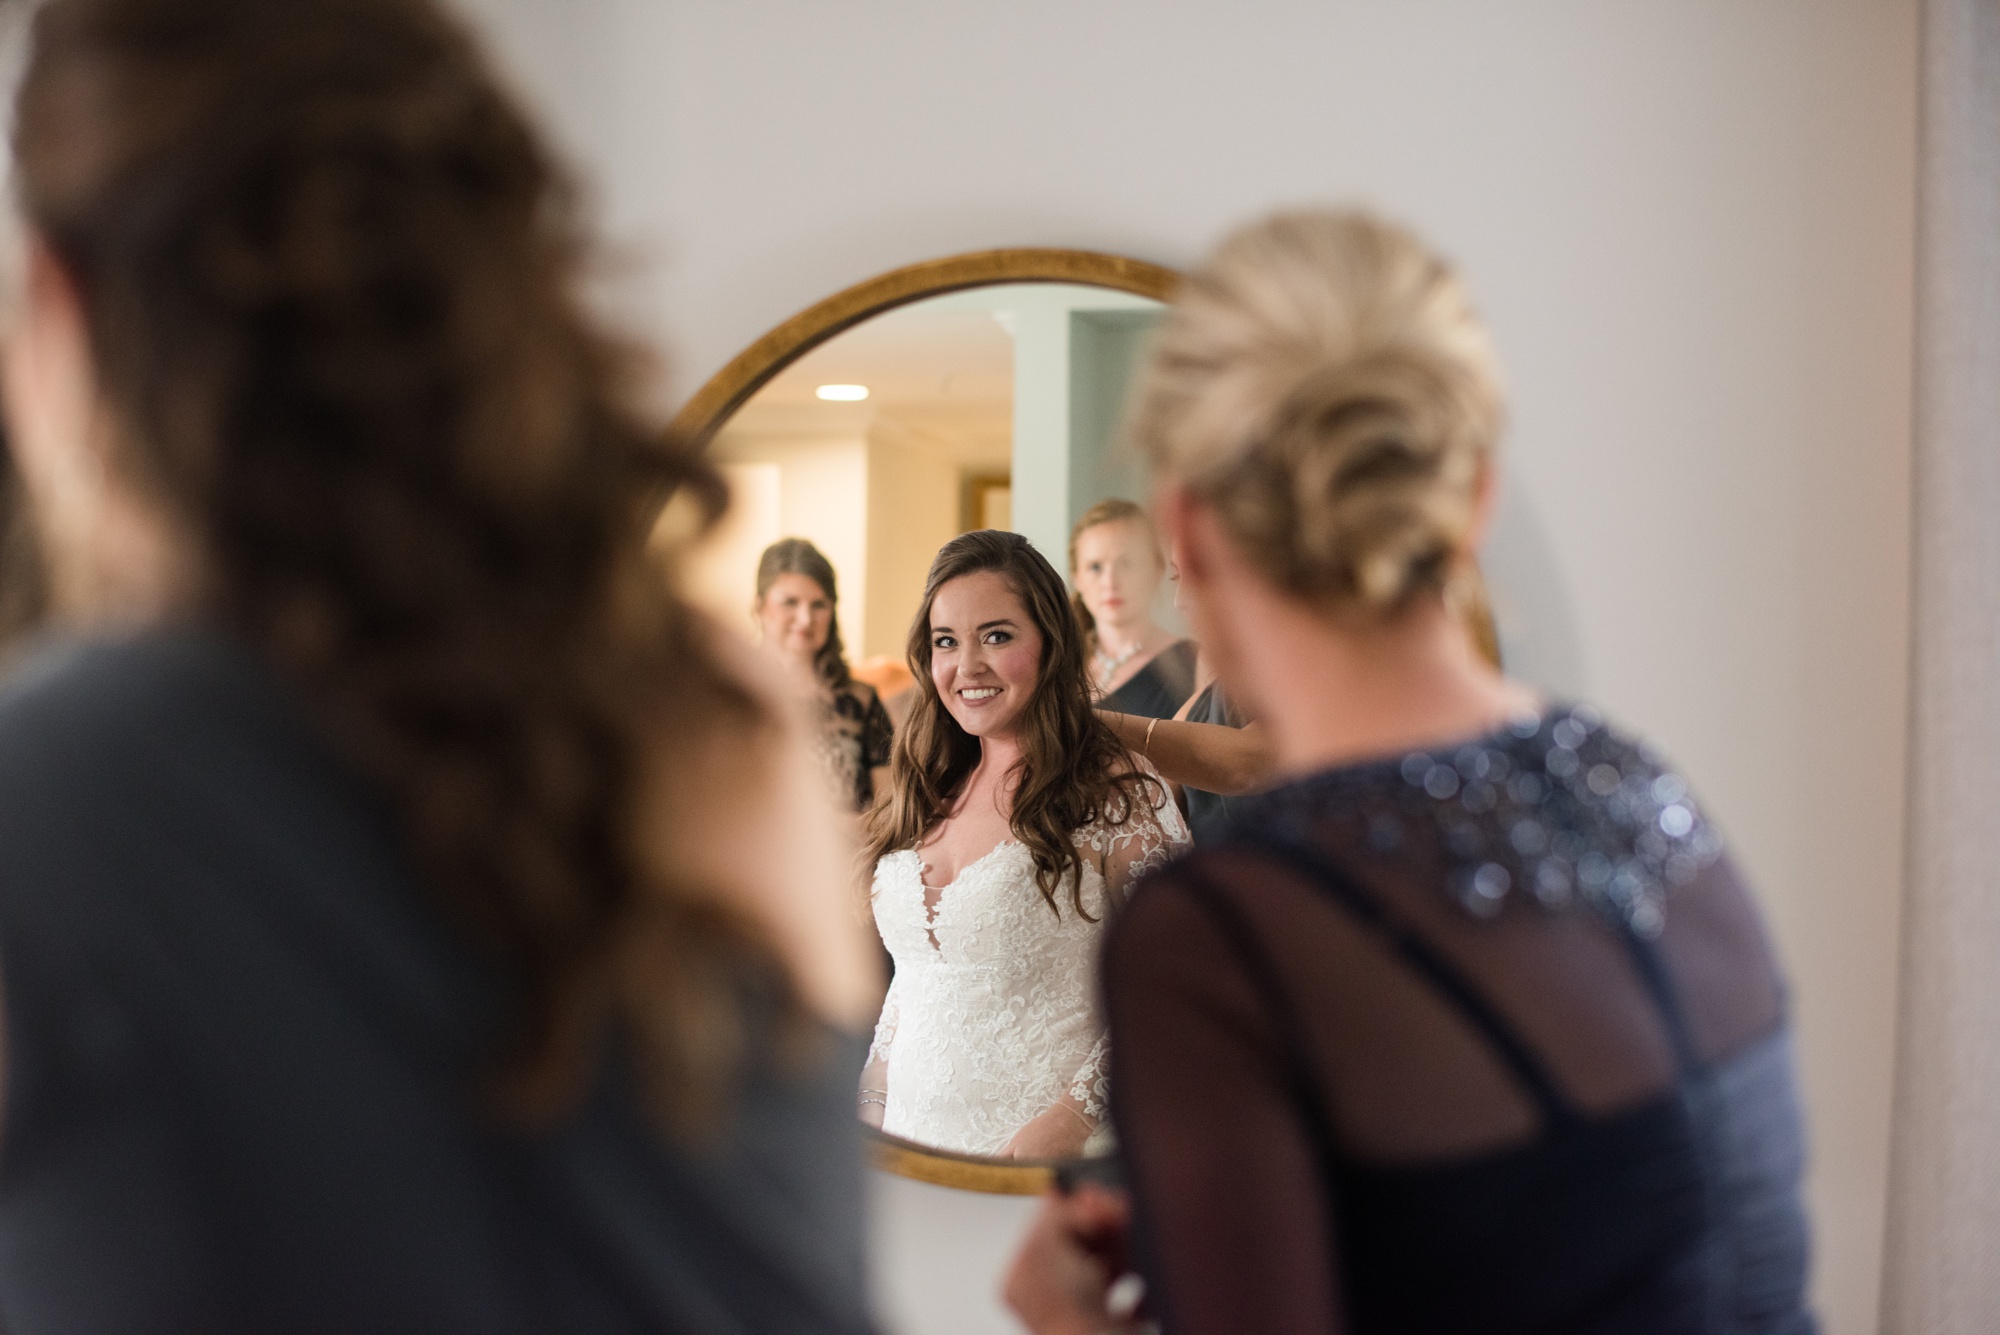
[(932, 525), (1014, 824)]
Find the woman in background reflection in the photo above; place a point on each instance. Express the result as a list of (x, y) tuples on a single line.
[(1217, 755), (411, 917), (1470, 1025), (798, 618), (1013, 825), (1116, 564), (1209, 750)]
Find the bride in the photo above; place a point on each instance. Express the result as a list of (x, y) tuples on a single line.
[(1015, 823)]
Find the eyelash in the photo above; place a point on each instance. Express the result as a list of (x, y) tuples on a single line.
[(992, 637)]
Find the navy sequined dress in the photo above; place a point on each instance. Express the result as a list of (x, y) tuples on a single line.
[(1483, 1038)]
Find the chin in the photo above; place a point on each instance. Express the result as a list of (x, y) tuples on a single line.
[(983, 726), (971, 726)]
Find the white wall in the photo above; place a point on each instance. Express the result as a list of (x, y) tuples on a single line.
[(1689, 222)]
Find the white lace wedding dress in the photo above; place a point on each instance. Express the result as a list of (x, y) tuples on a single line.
[(997, 1020)]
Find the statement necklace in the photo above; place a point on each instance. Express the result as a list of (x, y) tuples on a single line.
[(1108, 666)]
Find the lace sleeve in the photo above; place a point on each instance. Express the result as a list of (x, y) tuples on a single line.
[(1151, 838), (1090, 1087), (885, 1027)]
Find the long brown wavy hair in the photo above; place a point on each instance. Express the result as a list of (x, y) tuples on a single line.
[(332, 278), (796, 556), (1073, 772)]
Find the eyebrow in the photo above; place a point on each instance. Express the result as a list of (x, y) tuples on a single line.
[(984, 625)]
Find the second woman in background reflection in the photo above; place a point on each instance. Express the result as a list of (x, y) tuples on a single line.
[(1013, 823), (1137, 666), (797, 602)]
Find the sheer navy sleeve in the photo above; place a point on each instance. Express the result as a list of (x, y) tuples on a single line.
[(1236, 1234)]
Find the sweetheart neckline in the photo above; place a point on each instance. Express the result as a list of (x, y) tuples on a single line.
[(918, 854)]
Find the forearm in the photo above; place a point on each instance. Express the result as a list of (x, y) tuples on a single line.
[(1079, 1117), (1059, 1131), (872, 1099), (1208, 756)]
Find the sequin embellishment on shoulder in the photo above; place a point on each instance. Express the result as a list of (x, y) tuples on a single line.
[(1557, 808)]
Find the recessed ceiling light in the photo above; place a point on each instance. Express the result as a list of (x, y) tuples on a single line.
[(842, 393)]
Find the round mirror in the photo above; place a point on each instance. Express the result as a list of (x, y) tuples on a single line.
[(978, 392), (858, 438)]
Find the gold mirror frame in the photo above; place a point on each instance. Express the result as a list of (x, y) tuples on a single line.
[(750, 370)]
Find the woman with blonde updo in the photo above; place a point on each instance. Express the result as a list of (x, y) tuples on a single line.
[(1469, 1024)]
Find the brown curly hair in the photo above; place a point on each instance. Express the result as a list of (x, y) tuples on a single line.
[(1074, 771), (332, 277)]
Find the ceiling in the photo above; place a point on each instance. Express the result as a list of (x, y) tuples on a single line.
[(945, 377)]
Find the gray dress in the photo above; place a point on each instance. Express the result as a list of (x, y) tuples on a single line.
[(242, 1058)]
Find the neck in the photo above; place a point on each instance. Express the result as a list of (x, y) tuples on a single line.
[(997, 756), (794, 660), (1332, 694), (133, 567), (1115, 640), (999, 761)]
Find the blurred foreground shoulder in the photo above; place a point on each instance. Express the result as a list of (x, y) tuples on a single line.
[(742, 808)]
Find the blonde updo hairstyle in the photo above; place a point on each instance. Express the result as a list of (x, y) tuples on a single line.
[(1323, 383)]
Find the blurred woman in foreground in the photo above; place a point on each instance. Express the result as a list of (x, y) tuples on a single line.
[(411, 918), (1470, 1024)]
